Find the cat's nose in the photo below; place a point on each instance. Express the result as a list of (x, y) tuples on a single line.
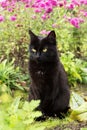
[(37, 56)]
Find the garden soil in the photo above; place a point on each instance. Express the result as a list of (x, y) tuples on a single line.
[(72, 126)]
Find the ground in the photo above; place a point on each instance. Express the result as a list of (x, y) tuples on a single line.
[(72, 126)]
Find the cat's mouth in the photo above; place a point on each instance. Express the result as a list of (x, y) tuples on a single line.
[(37, 60), (40, 72)]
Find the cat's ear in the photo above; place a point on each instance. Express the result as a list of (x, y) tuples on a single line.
[(52, 35), (32, 35)]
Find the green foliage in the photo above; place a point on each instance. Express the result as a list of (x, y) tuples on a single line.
[(79, 107), (83, 128), (15, 117), (76, 100), (14, 39), (5, 98), (21, 115), (80, 113), (14, 42), (72, 67), (84, 75), (10, 77)]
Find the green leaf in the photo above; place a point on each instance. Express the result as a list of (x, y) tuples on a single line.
[(29, 121), (76, 100), (31, 106), (82, 117), (80, 113), (29, 109), (83, 128), (33, 127), (14, 106)]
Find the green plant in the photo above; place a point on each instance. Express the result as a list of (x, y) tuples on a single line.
[(21, 115), (10, 76), (80, 113), (79, 107), (75, 68), (15, 116), (14, 37), (84, 75), (72, 68)]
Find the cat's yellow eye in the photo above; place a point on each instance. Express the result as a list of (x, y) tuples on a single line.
[(45, 50), (33, 50)]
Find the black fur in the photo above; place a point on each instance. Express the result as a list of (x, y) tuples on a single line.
[(48, 78)]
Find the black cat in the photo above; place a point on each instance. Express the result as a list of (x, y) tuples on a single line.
[(48, 78)]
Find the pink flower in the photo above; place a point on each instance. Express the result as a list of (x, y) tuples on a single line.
[(37, 10), (44, 32), (85, 14), (70, 6), (54, 2), (49, 10), (54, 25), (75, 22), (83, 2), (44, 16), (76, 2), (60, 4), (1, 18), (81, 20), (42, 5), (13, 18), (33, 17), (27, 6), (10, 10), (4, 4), (48, 3)]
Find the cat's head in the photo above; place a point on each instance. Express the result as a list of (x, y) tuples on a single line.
[(43, 49)]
